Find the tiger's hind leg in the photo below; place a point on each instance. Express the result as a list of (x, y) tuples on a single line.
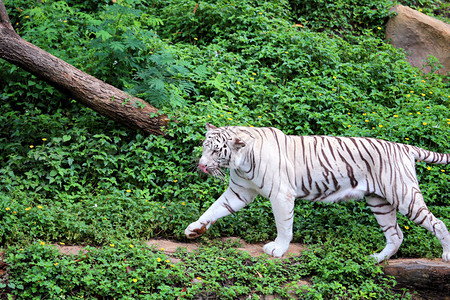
[(417, 211), (386, 215)]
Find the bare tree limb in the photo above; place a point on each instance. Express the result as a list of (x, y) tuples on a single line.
[(4, 18)]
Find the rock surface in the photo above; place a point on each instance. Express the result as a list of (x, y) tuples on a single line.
[(420, 35)]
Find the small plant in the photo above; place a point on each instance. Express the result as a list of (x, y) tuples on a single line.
[(432, 63)]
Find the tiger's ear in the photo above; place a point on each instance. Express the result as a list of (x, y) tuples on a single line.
[(210, 127), (238, 143)]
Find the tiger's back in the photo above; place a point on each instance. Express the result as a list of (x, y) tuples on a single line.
[(327, 168)]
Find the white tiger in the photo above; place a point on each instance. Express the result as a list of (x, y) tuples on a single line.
[(265, 161)]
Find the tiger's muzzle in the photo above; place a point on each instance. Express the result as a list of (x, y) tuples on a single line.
[(203, 168)]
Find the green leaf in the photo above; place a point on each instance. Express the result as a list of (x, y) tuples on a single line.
[(104, 35)]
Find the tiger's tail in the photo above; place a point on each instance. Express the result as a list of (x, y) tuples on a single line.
[(430, 156)]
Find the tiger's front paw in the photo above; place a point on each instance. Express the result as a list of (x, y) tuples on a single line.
[(275, 249), (196, 229)]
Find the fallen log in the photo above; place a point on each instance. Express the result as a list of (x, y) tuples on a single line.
[(430, 278)]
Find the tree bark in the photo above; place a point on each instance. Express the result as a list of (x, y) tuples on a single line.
[(430, 278), (88, 90)]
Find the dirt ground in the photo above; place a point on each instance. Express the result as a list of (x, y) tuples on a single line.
[(171, 246), (254, 249)]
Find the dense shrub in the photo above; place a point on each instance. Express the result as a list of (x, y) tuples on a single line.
[(342, 16)]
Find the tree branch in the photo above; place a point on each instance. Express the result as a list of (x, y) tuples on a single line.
[(4, 18)]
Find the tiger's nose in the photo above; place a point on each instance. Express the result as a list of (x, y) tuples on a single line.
[(202, 168)]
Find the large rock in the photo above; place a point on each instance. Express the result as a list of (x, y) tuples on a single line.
[(420, 35)]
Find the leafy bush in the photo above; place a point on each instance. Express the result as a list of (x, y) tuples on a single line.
[(343, 16), (213, 21)]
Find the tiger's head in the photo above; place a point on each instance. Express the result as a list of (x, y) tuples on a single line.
[(222, 148)]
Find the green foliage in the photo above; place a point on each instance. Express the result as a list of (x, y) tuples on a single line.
[(340, 272), (70, 175), (121, 269), (212, 21), (163, 70), (130, 270), (439, 9), (343, 16)]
